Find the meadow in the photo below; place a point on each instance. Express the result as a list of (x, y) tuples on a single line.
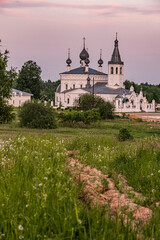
[(40, 198)]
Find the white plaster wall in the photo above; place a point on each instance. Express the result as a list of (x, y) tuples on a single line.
[(17, 100), (80, 79), (115, 78)]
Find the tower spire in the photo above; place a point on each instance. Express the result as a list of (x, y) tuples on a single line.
[(69, 53), (116, 58), (84, 39)]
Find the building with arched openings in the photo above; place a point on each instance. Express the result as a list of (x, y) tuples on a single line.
[(110, 87)]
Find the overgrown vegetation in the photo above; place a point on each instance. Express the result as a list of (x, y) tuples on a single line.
[(38, 195), (7, 78), (73, 116), (37, 115)]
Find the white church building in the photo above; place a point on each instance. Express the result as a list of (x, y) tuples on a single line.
[(110, 87)]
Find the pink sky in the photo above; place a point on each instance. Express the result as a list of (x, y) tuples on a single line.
[(42, 31)]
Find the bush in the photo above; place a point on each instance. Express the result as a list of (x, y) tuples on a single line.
[(76, 116), (124, 135), (36, 115), (91, 116)]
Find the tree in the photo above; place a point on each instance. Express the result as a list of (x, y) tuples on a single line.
[(90, 101), (48, 90), (6, 80), (29, 79)]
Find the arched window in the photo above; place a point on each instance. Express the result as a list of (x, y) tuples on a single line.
[(73, 86), (111, 70), (116, 70), (120, 70), (68, 100), (81, 86), (66, 86)]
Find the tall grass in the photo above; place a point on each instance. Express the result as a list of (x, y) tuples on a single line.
[(40, 200)]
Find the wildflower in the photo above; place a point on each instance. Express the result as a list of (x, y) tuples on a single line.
[(40, 185), (27, 205), (45, 178), (158, 171), (20, 227), (152, 174), (153, 190), (21, 237)]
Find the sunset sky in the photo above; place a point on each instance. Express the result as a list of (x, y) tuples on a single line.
[(43, 30)]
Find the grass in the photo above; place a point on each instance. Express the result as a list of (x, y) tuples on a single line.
[(39, 198)]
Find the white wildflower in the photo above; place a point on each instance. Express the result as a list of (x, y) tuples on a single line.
[(20, 227), (40, 185), (45, 178), (21, 237)]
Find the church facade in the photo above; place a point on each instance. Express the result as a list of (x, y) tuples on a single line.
[(109, 86)]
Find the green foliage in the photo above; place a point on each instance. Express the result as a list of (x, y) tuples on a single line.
[(37, 115), (76, 116), (151, 91), (6, 80), (29, 79), (124, 135), (106, 110), (90, 101), (6, 112), (48, 90)]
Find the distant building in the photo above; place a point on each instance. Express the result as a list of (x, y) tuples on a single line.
[(18, 98), (109, 86)]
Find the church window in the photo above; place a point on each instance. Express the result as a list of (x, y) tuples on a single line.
[(19, 102), (57, 99), (120, 70), (66, 86), (111, 70), (13, 102), (116, 70), (81, 86), (73, 86), (68, 100)]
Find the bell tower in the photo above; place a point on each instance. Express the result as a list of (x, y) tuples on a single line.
[(115, 68)]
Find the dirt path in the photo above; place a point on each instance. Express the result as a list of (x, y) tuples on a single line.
[(149, 117), (100, 189)]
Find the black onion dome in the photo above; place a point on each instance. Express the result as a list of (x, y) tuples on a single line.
[(68, 61), (87, 61), (84, 54), (100, 62)]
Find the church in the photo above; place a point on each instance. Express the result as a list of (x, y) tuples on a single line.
[(84, 79)]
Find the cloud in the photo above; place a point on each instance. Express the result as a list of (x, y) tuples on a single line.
[(100, 8)]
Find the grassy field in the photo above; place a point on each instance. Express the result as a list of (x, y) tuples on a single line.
[(39, 198)]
